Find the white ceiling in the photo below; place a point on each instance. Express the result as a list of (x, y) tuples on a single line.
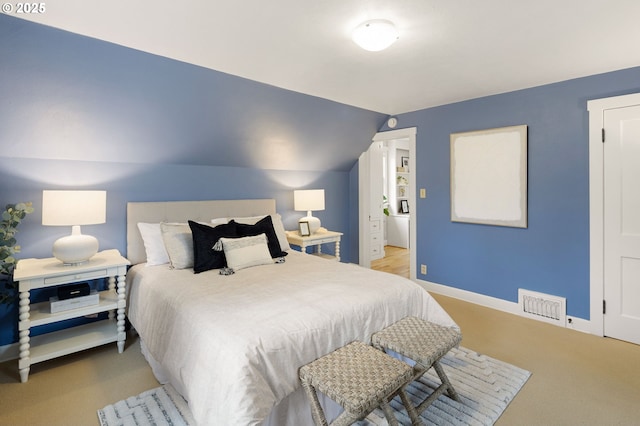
[(448, 51)]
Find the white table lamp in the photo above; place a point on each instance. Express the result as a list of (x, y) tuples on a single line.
[(309, 200), (74, 208)]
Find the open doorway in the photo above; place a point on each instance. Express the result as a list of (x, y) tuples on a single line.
[(396, 221), (387, 183), (395, 261)]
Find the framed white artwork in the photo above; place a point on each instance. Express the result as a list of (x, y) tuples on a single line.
[(489, 176)]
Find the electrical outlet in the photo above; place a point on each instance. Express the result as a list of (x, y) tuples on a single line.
[(423, 269)]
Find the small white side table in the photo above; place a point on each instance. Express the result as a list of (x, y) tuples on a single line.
[(33, 274), (317, 239)]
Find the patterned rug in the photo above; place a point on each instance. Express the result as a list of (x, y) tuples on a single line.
[(485, 385), (162, 406)]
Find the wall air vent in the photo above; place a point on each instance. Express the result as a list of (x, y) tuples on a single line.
[(543, 307)]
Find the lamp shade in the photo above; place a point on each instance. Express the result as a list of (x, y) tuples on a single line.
[(308, 200), (375, 35), (68, 208), (74, 208)]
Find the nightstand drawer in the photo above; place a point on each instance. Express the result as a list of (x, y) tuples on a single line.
[(80, 276)]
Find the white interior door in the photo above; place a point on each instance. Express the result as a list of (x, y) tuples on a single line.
[(622, 223), (370, 166)]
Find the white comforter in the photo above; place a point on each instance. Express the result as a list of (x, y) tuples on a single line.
[(232, 345)]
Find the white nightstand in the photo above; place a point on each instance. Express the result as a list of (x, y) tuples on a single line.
[(33, 274), (317, 239)]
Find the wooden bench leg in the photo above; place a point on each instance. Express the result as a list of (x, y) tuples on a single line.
[(445, 380), (445, 386), (316, 410), (388, 413), (344, 419), (411, 410)]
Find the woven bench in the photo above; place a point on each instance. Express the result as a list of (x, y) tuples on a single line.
[(425, 343), (358, 377)]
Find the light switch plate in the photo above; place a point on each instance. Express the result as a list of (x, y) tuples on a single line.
[(423, 193)]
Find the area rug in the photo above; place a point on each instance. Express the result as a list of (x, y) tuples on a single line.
[(485, 385), (162, 406)]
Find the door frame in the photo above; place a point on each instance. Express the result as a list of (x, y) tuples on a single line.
[(596, 109), (363, 188)]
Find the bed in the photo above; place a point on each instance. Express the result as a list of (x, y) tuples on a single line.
[(232, 344)]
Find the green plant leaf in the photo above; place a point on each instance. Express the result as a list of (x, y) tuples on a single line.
[(11, 218)]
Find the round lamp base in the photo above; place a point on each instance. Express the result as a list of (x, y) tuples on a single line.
[(75, 249), (314, 223)]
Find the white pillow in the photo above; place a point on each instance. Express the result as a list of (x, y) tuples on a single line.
[(278, 227), (153, 244), (280, 232), (220, 221), (246, 251), (178, 241)]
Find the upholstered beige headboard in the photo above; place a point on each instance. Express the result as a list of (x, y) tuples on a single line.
[(181, 211)]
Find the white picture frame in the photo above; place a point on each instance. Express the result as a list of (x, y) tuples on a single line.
[(489, 176)]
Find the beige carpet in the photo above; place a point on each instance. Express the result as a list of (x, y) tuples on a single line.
[(577, 378)]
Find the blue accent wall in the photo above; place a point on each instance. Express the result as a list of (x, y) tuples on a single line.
[(79, 113), (552, 254)]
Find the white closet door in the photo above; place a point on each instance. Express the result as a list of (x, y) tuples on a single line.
[(622, 223)]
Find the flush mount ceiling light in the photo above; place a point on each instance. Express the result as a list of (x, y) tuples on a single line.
[(375, 35)]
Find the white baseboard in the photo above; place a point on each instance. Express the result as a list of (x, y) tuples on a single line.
[(580, 324), (573, 323), (9, 352)]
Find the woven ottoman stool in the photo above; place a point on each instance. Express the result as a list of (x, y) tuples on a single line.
[(425, 343), (359, 378)]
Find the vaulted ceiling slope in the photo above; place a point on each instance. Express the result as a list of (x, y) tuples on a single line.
[(70, 97), (448, 51)]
